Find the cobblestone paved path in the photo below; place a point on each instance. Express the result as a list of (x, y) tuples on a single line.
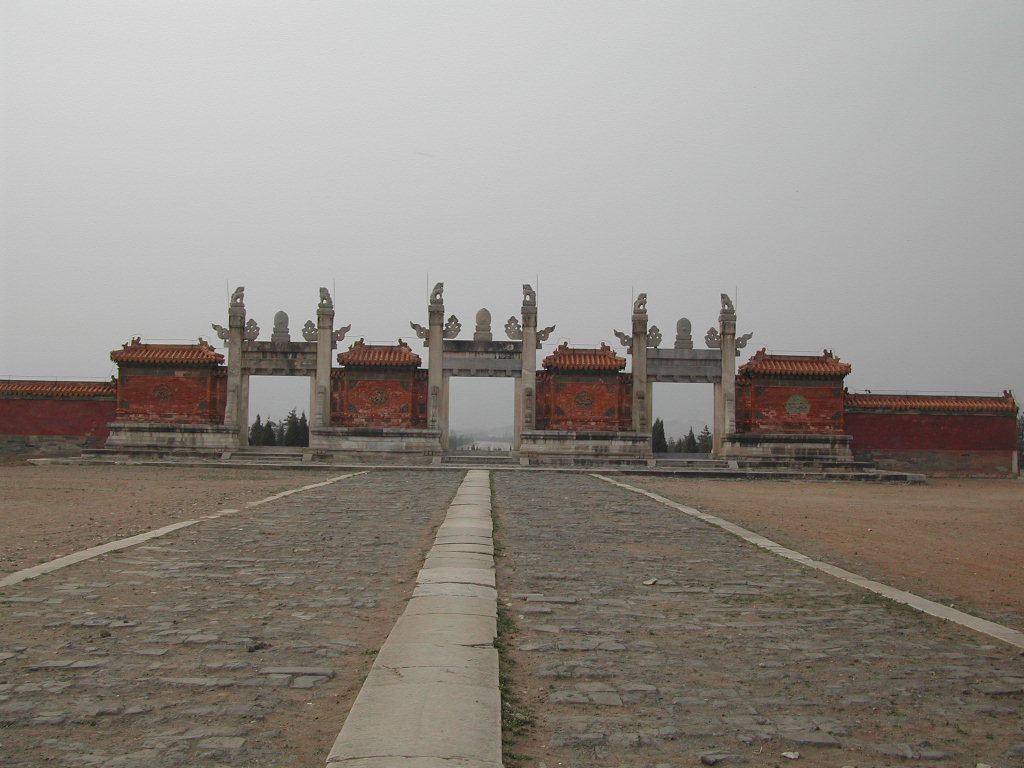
[(239, 641), (732, 654)]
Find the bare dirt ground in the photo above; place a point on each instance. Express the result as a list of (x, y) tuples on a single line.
[(955, 541), (53, 510)]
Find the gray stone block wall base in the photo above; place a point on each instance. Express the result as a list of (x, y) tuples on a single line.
[(431, 699)]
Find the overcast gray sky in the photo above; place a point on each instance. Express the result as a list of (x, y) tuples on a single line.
[(853, 170)]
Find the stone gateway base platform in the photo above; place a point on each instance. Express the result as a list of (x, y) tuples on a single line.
[(795, 448), (212, 438), (397, 445), (579, 448)]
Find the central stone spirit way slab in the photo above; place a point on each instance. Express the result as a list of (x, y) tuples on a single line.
[(648, 637), (431, 699)]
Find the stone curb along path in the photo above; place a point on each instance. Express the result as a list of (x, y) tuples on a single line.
[(131, 541), (990, 628), (431, 699)]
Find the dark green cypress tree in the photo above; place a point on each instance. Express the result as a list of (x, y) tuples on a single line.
[(690, 444), (256, 432), (704, 440), (292, 435), (658, 442)]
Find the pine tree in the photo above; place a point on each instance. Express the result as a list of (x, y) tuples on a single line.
[(690, 444), (256, 432), (269, 433), (704, 440), (278, 433), (658, 442), (292, 432), (303, 430)]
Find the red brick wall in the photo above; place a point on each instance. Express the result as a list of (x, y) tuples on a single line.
[(935, 443), (797, 407), (183, 396), (599, 403), (67, 418), (362, 398)]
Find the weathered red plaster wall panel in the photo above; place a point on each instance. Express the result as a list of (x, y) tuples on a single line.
[(185, 396), (935, 443), (68, 418), (798, 407), (362, 398), (581, 402), (932, 431)]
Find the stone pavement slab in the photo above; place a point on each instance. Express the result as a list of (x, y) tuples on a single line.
[(432, 694), (237, 641), (645, 636)]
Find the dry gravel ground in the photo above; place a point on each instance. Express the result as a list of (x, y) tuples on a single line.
[(956, 541), (53, 510)]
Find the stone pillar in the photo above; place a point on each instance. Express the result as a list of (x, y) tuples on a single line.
[(435, 364), (320, 413), (444, 410), (517, 418), (243, 412), (233, 413), (717, 426), (527, 401), (638, 349), (727, 400)]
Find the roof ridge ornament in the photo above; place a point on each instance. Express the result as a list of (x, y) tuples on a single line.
[(437, 295), (684, 335), (451, 328), (514, 329)]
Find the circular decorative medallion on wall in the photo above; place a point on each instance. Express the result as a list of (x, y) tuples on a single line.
[(163, 393), (584, 400), (798, 405), (379, 396)]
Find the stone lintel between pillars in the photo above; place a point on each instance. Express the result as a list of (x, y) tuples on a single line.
[(440, 650)]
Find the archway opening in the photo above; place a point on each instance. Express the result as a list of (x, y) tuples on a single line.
[(278, 405), (481, 414), (682, 408)]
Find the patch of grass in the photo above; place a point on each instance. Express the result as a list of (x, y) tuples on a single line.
[(515, 719), (873, 598)]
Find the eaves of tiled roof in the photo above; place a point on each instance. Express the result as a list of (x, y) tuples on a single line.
[(57, 390), (947, 403), (135, 352), (566, 359), (380, 355), (766, 364)]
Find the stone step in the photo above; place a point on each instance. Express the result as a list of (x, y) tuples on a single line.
[(480, 459)]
